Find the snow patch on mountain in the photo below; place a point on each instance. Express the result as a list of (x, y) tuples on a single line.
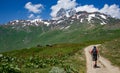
[(62, 28), (102, 16), (67, 27), (17, 21), (47, 23), (90, 17), (81, 20), (78, 16), (59, 21), (103, 23)]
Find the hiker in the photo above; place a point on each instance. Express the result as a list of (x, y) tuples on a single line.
[(94, 54)]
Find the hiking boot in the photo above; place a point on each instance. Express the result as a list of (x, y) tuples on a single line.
[(95, 66)]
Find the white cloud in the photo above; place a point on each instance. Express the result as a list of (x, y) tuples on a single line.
[(66, 4), (35, 8), (88, 8), (112, 10)]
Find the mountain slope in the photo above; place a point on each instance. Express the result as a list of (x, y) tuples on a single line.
[(80, 27)]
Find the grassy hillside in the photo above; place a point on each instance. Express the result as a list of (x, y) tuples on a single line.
[(111, 50), (13, 39), (79, 35), (67, 58)]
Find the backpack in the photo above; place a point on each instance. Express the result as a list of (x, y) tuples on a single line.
[(94, 50)]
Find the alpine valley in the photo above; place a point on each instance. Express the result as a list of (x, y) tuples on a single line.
[(68, 27), (57, 45)]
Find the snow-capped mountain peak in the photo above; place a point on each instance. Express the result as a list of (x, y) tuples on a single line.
[(63, 13), (34, 22), (92, 17), (64, 21)]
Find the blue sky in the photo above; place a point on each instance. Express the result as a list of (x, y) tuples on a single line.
[(46, 9)]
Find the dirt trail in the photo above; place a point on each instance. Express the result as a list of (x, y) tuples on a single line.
[(104, 65)]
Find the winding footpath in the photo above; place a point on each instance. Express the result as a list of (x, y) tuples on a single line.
[(104, 65)]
